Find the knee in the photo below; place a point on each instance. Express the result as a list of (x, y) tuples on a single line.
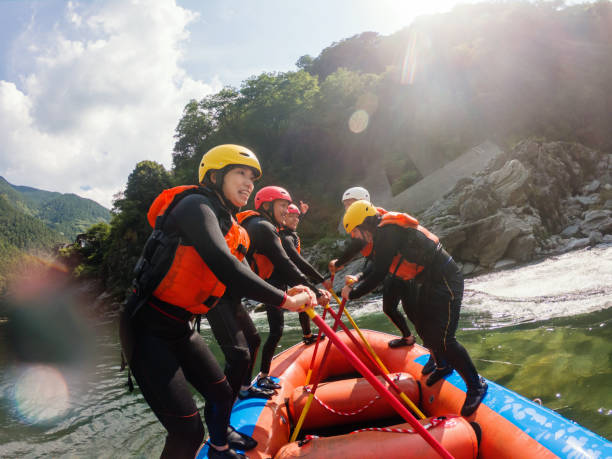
[(389, 308), (237, 355), (274, 337), (184, 438), (219, 394)]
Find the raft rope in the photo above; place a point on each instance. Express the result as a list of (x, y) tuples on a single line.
[(348, 413), (343, 413), (433, 423), (430, 425)]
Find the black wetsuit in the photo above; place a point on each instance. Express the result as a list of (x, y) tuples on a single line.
[(291, 241), (265, 240), (439, 305), (164, 351), (394, 289), (352, 249), (238, 338)]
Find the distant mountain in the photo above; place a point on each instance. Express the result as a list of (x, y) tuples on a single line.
[(22, 231), (34, 220), (66, 214)]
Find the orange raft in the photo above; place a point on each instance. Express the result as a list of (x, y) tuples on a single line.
[(348, 418)]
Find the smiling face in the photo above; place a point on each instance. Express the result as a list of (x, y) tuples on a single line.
[(238, 185), (279, 210), (291, 221)]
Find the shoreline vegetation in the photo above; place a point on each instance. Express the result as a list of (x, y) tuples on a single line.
[(484, 73)]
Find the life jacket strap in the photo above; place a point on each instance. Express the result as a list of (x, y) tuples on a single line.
[(169, 310)]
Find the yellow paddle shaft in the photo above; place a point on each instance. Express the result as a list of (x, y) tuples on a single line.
[(382, 366), (298, 427)]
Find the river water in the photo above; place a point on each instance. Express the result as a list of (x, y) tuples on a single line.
[(543, 330)]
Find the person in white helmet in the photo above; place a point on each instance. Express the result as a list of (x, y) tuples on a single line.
[(394, 289), (354, 193)]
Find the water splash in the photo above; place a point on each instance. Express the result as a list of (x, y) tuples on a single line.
[(568, 285)]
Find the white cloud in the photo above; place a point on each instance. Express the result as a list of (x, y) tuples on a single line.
[(106, 90)]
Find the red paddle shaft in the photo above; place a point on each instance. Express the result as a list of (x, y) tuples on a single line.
[(382, 390)]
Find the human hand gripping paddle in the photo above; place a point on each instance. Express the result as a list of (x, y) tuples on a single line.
[(380, 388), (337, 322), (381, 365)]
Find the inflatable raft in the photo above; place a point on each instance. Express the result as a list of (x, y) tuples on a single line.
[(349, 419)]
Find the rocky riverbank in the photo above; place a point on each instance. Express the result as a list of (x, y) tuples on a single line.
[(536, 200)]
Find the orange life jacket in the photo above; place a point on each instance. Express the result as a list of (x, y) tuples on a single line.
[(400, 267), (190, 283), (260, 264), (367, 250)]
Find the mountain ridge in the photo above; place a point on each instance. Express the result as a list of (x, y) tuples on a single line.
[(66, 213), (34, 220)]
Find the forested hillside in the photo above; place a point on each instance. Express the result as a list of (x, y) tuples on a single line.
[(38, 220), (67, 214), (406, 103), (20, 233)]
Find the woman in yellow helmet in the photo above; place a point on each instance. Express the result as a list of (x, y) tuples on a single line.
[(405, 248), (395, 289), (194, 252)]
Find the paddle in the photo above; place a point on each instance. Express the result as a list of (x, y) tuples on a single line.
[(382, 366), (314, 353), (337, 321), (382, 390)]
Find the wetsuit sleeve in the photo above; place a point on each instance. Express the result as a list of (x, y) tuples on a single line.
[(299, 260), (368, 266), (351, 251), (194, 219), (269, 244), (386, 246)]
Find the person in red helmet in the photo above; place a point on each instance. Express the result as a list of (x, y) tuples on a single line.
[(193, 253), (292, 245), (270, 261)]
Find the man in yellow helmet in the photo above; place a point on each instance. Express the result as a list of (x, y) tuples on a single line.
[(403, 247), (195, 251)]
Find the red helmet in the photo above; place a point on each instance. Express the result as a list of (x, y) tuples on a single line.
[(269, 194), (293, 209)]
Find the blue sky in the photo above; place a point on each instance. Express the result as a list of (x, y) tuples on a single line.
[(89, 88)]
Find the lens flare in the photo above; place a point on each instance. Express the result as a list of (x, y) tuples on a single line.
[(358, 122), (409, 65), (41, 394)]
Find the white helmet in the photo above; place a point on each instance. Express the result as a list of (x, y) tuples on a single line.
[(356, 192)]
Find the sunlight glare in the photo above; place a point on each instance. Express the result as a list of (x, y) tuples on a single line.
[(358, 122), (41, 394)]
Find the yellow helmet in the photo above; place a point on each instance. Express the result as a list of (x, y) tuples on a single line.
[(225, 155), (357, 213)]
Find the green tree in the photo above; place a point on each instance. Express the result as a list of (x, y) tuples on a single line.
[(129, 226)]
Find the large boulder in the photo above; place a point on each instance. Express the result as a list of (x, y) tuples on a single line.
[(509, 183), (514, 209), (597, 220)]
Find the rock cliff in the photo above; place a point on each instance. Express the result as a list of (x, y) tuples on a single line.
[(538, 199)]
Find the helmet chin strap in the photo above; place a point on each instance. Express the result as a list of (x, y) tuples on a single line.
[(217, 186), (270, 214)]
